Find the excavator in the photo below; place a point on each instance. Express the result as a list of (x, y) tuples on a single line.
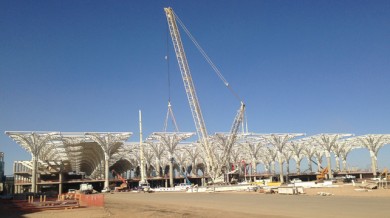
[(384, 175), (322, 175), (123, 186), (384, 178)]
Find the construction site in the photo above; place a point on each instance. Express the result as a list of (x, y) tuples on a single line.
[(71, 170)]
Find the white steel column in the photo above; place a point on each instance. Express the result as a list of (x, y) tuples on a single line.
[(60, 190), (171, 171), (297, 149), (279, 141), (170, 141), (34, 174), (343, 147), (141, 150), (309, 151), (110, 143), (318, 153), (374, 142), (106, 170), (327, 142), (32, 142)]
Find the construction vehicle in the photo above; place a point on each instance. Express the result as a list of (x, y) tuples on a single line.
[(384, 178), (183, 186), (322, 175), (86, 188), (123, 186), (145, 187), (214, 163), (186, 185), (384, 175)]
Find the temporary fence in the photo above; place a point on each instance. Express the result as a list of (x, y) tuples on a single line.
[(94, 200)]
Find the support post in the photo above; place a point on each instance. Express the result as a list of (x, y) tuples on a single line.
[(60, 183), (373, 163), (171, 172), (337, 159), (327, 154), (280, 167), (142, 168), (34, 174), (106, 173)]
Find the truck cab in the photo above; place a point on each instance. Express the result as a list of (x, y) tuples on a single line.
[(86, 188), (145, 187), (182, 186)]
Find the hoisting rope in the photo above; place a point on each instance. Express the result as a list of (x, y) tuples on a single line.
[(170, 111), (207, 57), (168, 68)]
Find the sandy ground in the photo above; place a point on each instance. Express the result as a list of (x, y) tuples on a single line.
[(345, 202)]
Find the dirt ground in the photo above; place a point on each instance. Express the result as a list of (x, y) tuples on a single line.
[(345, 201)]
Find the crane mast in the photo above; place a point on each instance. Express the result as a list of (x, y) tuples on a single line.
[(212, 162), (187, 80), (233, 132)]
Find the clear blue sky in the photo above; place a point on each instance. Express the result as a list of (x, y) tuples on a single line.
[(300, 66)]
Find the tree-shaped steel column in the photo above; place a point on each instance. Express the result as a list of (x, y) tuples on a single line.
[(121, 160), (279, 141), (287, 155), (236, 156), (181, 160), (318, 154), (270, 155), (327, 142), (342, 149), (253, 147), (374, 142), (110, 143), (193, 154), (309, 151), (33, 142), (297, 149), (149, 157), (159, 152), (170, 140)]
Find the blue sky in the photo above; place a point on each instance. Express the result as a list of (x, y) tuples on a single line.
[(300, 66)]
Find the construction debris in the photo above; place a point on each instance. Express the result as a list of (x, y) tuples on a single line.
[(361, 190), (369, 186), (324, 194), (290, 190)]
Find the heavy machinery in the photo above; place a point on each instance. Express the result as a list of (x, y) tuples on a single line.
[(123, 186), (213, 163), (86, 188), (384, 175), (384, 178), (322, 175)]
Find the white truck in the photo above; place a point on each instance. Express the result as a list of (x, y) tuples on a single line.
[(86, 188), (182, 187), (145, 187)]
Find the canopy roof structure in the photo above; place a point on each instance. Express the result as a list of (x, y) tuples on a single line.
[(70, 151), (96, 153)]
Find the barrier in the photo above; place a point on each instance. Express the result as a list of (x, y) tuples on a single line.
[(95, 200)]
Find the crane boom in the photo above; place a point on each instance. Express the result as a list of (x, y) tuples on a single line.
[(187, 80), (233, 131), (114, 173), (212, 160)]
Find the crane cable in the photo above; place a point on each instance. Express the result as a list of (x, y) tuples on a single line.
[(168, 68), (170, 111), (207, 57)]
